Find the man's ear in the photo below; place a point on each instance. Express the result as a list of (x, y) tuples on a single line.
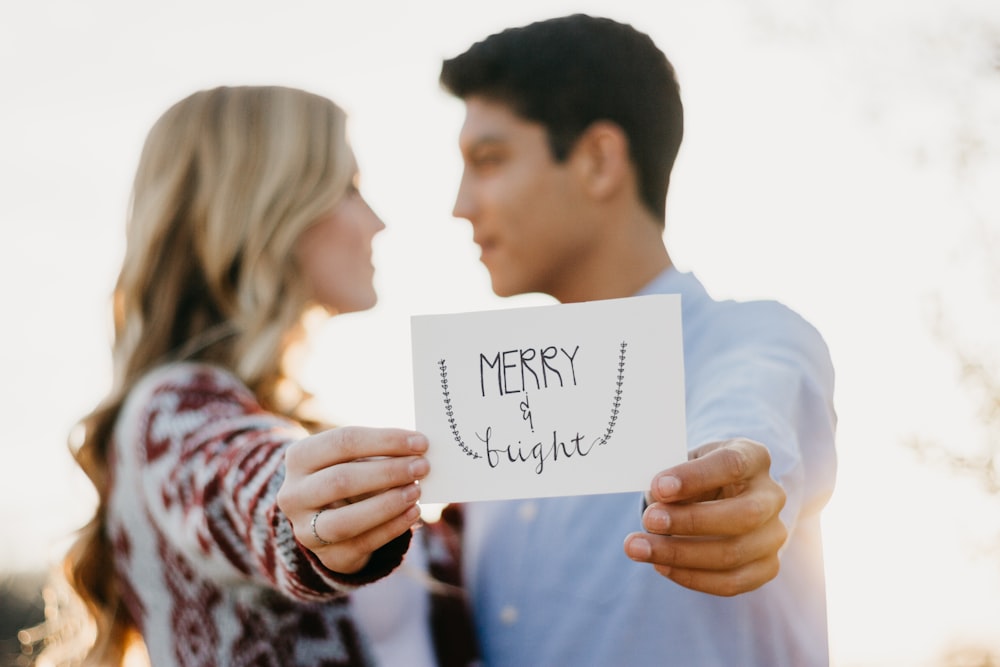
[(601, 159)]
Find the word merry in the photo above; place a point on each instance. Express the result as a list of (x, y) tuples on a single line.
[(538, 452), (531, 364)]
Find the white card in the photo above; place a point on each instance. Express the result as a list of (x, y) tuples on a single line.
[(560, 400)]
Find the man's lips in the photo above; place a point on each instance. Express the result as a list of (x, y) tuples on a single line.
[(486, 247)]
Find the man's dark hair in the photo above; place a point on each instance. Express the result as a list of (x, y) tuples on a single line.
[(566, 73)]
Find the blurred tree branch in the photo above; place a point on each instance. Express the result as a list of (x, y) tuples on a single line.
[(972, 152), (978, 374)]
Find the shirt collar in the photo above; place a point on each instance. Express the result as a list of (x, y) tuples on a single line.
[(672, 281)]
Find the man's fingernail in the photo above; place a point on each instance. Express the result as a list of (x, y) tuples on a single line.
[(657, 521), (640, 549), (668, 485)]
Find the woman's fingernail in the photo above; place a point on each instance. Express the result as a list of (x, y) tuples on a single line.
[(419, 467), (411, 493), (417, 442)]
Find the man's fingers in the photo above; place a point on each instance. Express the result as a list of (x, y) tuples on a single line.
[(747, 578), (726, 517), (716, 554), (714, 467), (714, 525), (348, 443)]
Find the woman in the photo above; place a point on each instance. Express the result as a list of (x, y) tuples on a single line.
[(230, 526)]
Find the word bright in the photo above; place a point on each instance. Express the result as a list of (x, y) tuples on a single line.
[(538, 452)]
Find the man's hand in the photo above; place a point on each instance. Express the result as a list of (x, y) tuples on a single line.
[(713, 521)]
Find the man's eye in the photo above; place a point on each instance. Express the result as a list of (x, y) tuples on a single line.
[(487, 160), (488, 156)]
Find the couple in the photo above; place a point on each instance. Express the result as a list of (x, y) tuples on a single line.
[(231, 525)]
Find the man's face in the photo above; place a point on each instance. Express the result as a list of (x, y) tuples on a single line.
[(527, 211)]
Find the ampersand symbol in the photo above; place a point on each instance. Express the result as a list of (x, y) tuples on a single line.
[(526, 412)]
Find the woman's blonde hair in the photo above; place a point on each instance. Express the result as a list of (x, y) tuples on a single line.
[(227, 181)]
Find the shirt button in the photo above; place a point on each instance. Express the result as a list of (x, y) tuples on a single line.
[(528, 511), (508, 615)]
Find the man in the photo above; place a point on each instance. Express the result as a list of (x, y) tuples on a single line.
[(571, 130)]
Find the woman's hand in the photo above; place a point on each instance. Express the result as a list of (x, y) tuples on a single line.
[(350, 490)]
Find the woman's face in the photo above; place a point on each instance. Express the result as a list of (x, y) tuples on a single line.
[(335, 254)]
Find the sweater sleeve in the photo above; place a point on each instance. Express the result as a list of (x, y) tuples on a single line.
[(208, 461)]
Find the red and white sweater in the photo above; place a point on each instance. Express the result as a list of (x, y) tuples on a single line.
[(208, 565)]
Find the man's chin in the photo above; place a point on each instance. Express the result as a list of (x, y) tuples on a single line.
[(502, 288)]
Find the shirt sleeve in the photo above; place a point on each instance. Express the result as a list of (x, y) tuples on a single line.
[(764, 373), (209, 461)]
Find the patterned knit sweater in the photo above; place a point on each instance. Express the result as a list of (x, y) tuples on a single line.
[(208, 565)]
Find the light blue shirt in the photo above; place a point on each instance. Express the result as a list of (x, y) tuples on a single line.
[(549, 578)]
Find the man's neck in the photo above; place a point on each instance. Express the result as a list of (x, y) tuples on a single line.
[(625, 265)]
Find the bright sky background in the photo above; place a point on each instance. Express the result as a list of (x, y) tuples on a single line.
[(838, 157)]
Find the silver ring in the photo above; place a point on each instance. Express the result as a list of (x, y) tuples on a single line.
[(312, 524)]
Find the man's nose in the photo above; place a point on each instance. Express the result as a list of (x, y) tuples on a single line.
[(464, 200)]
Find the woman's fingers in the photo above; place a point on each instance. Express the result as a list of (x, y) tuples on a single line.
[(349, 443), (354, 531), (349, 463), (353, 481), (348, 491), (349, 522), (350, 557)]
